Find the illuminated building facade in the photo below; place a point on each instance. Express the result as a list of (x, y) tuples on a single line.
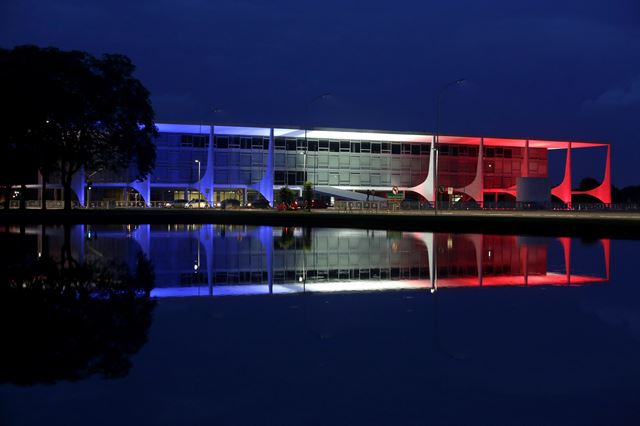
[(223, 162), (218, 260)]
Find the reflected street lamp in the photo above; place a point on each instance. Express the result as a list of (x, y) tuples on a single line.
[(436, 146)]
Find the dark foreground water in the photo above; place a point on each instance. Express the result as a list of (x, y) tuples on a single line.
[(233, 325)]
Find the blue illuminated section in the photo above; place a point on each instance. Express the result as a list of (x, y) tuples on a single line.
[(183, 128), (78, 185)]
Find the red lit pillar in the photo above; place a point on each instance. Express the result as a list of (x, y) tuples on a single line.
[(563, 191), (603, 191), (524, 172)]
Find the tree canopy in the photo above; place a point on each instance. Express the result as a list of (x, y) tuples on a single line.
[(65, 110)]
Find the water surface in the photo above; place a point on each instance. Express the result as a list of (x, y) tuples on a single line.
[(263, 325)]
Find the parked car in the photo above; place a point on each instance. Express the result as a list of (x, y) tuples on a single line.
[(318, 204), (259, 204), (293, 206), (175, 204), (197, 204), (229, 203)]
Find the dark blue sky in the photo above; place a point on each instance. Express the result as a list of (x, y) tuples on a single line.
[(540, 69)]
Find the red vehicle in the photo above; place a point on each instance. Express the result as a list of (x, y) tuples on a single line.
[(284, 206)]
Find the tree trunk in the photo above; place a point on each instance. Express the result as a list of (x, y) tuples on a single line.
[(44, 192), (8, 192), (67, 193), (23, 201)]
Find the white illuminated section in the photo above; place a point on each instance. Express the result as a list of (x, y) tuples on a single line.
[(241, 131), (353, 135)]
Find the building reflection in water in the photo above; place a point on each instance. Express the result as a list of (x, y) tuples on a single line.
[(218, 260)]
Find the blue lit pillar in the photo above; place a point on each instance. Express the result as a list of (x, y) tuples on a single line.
[(265, 186), (78, 184), (144, 189)]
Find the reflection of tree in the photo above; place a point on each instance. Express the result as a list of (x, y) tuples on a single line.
[(286, 239), (66, 320)]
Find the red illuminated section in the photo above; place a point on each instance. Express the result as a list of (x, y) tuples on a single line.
[(485, 260), (486, 169)]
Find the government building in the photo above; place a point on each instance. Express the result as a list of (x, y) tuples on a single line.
[(217, 163)]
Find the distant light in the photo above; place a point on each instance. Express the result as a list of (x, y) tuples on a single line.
[(489, 253), (47, 121), (195, 267), (197, 161), (39, 254), (300, 279)]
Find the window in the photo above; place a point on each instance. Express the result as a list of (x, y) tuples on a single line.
[(222, 142), (345, 146), (415, 149), (396, 148), (406, 148), (365, 147), (313, 145), (195, 141), (257, 143), (375, 147), (324, 146), (334, 146), (234, 142), (386, 148), (291, 144), (355, 146), (278, 179), (245, 143), (424, 149), (280, 144)]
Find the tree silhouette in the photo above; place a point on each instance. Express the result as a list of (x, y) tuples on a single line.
[(67, 320), (69, 110)]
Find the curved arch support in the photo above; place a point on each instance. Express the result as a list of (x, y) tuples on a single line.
[(602, 192), (144, 189), (563, 191), (426, 188), (265, 185), (78, 185), (474, 189)]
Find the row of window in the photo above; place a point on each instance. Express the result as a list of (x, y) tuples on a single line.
[(292, 144), (324, 145), (194, 141)]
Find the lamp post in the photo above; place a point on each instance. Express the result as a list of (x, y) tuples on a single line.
[(199, 183), (436, 147)]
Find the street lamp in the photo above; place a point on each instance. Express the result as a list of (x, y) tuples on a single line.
[(436, 147), (199, 183)]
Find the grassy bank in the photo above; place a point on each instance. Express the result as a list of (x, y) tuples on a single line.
[(583, 224)]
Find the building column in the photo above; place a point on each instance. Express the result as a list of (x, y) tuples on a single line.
[(524, 171), (265, 185), (78, 185), (144, 189), (563, 191), (427, 187)]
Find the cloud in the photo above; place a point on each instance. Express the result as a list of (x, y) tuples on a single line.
[(616, 98)]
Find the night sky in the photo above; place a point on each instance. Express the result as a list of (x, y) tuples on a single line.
[(540, 69)]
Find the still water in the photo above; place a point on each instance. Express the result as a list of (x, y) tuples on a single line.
[(209, 324)]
